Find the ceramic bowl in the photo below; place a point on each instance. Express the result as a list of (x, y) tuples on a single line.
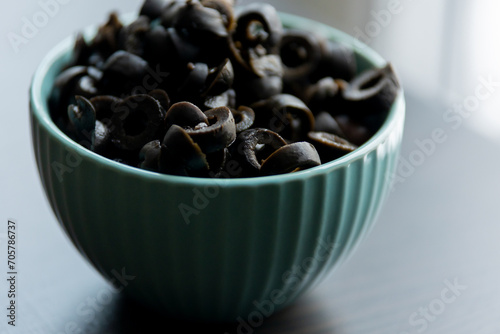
[(207, 249)]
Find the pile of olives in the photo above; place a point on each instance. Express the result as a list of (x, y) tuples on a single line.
[(206, 88)]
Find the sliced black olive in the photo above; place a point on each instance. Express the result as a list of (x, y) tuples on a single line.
[(257, 89), (220, 134), (104, 106), (162, 97), (180, 153), (78, 80), (195, 81), (158, 46), (290, 158), (322, 95), (171, 11), (327, 123), (154, 8), (330, 146), (132, 36), (285, 114), (254, 145), (136, 121), (200, 24), (225, 8), (220, 79), (82, 117), (69, 77), (355, 131), (185, 51), (372, 92), (81, 51), (125, 64), (258, 24), (300, 52), (257, 36), (244, 118), (124, 71), (185, 115), (106, 40), (266, 65), (65, 84), (337, 61), (217, 162), (149, 156)]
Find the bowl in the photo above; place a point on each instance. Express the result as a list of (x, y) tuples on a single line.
[(213, 249)]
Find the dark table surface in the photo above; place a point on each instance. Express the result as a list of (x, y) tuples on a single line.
[(429, 266)]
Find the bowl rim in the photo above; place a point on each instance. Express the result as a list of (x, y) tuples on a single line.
[(39, 110)]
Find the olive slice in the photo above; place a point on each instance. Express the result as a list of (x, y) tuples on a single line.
[(257, 89), (323, 95), (217, 136), (220, 79), (198, 23), (81, 51), (337, 60), (104, 106), (132, 36), (194, 82), (153, 8), (171, 11), (179, 152), (254, 145), (106, 40), (285, 114), (217, 162), (186, 115), (65, 86), (330, 146), (136, 121), (185, 51), (327, 123), (124, 71), (244, 118), (258, 24), (69, 77), (265, 65), (162, 97), (257, 35), (291, 158), (372, 92), (225, 8), (355, 131), (126, 65), (149, 156), (158, 45), (82, 117), (300, 53)]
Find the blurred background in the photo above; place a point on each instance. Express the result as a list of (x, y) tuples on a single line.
[(440, 222)]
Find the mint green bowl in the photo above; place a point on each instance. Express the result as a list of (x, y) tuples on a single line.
[(243, 247)]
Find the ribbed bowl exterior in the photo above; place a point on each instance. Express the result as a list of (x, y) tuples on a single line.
[(213, 250)]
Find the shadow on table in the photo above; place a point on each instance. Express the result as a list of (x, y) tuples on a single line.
[(305, 316)]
